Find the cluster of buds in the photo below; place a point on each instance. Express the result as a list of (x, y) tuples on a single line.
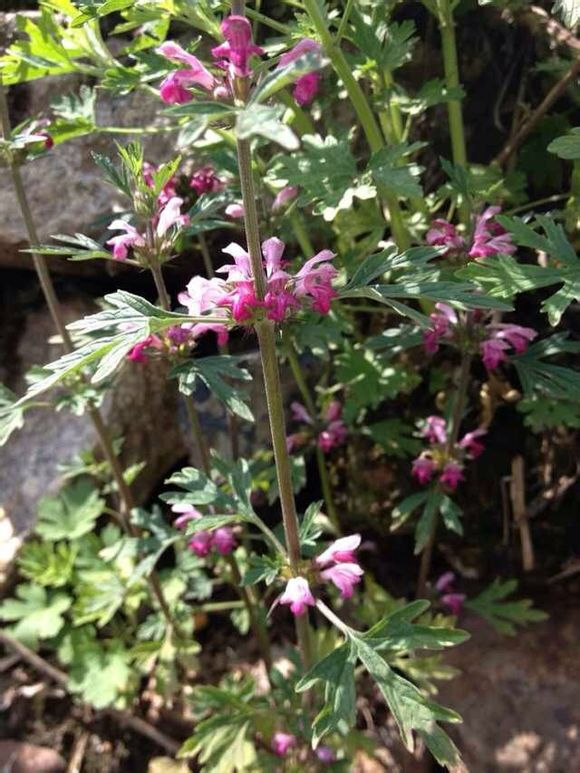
[(489, 237), (285, 293), (442, 460), (205, 180), (233, 57), (202, 542), (337, 564), (330, 431), (492, 340), (449, 597), (164, 227), (283, 743)]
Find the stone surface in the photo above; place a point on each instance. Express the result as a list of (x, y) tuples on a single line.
[(18, 757), (519, 696), (142, 408), (65, 187)]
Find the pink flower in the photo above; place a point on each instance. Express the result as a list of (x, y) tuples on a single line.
[(445, 582), (493, 352), (314, 280), (344, 576), (205, 180), (471, 444), (188, 513), (299, 413), (454, 602), (201, 543), (122, 243), (326, 755), (435, 429), (489, 237), (340, 551), (333, 411), (203, 295), (441, 319), (282, 743), (286, 194), (444, 234), (137, 353), (171, 215), (333, 436), (306, 88), (518, 336), (223, 540), (234, 210), (298, 596), (173, 89), (452, 475), (302, 48), (423, 469), (238, 48)]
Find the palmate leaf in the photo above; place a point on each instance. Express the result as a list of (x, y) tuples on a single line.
[(395, 437), (36, 613), (47, 563), (72, 513), (215, 372), (386, 170), (265, 121), (503, 615), (568, 146)]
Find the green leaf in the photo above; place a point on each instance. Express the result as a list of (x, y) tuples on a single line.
[(397, 632), (428, 518), (568, 10), (504, 616), (215, 372), (406, 508), (545, 379), (71, 514), (11, 414), (281, 77), (209, 522), (412, 712), (36, 613), (200, 489), (262, 568), (98, 673), (46, 563), (264, 121), (395, 436), (400, 180), (451, 514), (568, 146)]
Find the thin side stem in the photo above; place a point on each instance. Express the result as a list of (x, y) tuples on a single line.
[(454, 425), (298, 374), (364, 113), (157, 273), (454, 111), (300, 119)]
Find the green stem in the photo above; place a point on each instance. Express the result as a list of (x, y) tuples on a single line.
[(125, 494), (451, 67), (364, 113), (300, 119), (453, 433), (344, 21), (301, 234), (273, 388), (298, 374)]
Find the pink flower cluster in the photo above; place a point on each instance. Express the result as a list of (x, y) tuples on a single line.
[(167, 216), (489, 237), (222, 538), (492, 339), (447, 463), (205, 180), (170, 343), (234, 57), (449, 597), (282, 743), (285, 293), (332, 435), (337, 564)]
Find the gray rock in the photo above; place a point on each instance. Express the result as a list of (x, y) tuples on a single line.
[(518, 696), (141, 407)]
